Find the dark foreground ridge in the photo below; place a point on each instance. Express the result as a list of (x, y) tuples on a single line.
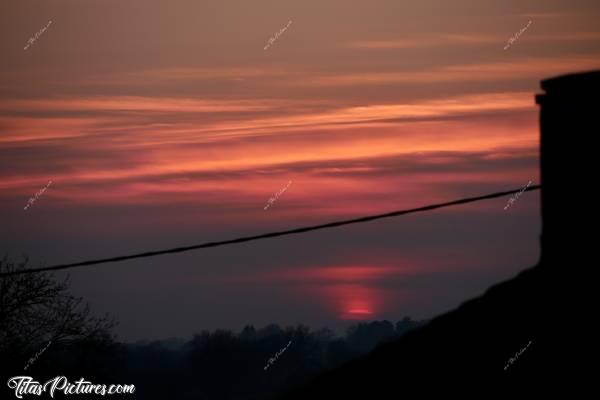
[(464, 349), (522, 334)]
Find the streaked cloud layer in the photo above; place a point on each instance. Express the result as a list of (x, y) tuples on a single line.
[(161, 124)]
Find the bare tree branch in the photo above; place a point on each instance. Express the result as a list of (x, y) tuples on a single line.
[(35, 308)]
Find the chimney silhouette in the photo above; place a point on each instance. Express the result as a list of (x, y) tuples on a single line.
[(569, 117)]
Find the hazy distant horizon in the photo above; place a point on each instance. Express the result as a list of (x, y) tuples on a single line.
[(168, 124)]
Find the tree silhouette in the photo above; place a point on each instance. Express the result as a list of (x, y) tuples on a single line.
[(36, 310)]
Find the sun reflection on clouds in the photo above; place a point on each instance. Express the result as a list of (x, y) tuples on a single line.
[(346, 292)]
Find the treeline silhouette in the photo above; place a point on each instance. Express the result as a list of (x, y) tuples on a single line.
[(213, 365), (224, 365), (46, 332)]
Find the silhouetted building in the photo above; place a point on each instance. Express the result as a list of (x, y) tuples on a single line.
[(568, 114), (513, 337)]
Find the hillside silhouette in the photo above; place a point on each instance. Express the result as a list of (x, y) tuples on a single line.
[(512, 338)]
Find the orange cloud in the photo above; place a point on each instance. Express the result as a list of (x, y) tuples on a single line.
[(529, 68), (461, 39)]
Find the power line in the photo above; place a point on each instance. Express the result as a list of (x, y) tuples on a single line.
[(272, 234)]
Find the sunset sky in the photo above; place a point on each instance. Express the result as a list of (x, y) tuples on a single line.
[(167, 123)]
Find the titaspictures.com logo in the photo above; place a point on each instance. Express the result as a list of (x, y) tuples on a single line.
[(26, 385)]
